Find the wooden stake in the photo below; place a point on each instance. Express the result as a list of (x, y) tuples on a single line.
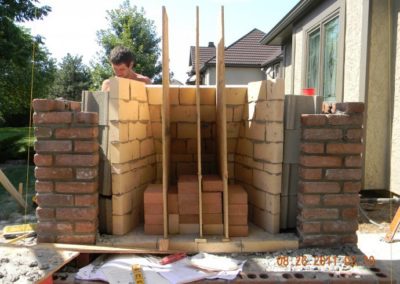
[(393, 227), (11, 189)]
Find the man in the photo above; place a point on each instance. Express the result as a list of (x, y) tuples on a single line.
[(122, 62)]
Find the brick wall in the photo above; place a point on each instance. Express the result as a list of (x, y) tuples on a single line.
[(330, 175), (66, 172)]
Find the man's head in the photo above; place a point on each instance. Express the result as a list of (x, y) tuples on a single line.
[(122, 61)]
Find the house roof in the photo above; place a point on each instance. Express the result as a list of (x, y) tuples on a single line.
[(283, 29), (245, 52)]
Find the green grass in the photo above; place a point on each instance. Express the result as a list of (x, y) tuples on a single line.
[(15, 142)]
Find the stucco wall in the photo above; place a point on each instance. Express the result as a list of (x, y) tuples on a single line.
[(236, 76)]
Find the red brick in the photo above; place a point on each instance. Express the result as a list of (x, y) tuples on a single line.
[(212, 208), (43, 160), (238, 231), (44, 186), (86, 117), (352, 239), (213, 218), (211, 197), (320, 161), (312, 174), (354, 135), (348, 148), (343, 174), (86, 173), (153, 194), (353, 161), (309, 227), (55, 200), (43, 132), (319, 240), (48, 105), (86, 146), (188, 208), (153, 219), (238, 209), (77, 160), (77, 133), (350, 213), (54, 227), (313, 119), (352, 107), (319, 213), (351, 187), (339, 226), (76, 187), (187, 198), (319, 187), (45, 213), (74, 106), (212, 183), (86, 200), (172, 199), (238, 220), (53, 146), (322, 134), (188, 184), (236, 194), (46, 238), (309, 199), (345, 119), (153, 229), (341, 200), (189, 219), (312, 148), (153, 209), (52, 117), (85, 227), (53, 173), (76, 213), (76, 239)]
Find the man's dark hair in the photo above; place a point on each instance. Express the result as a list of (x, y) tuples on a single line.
[(121, 55)]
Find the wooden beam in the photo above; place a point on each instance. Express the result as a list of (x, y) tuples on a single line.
[(165, 116), (11, 189), (221, 121)]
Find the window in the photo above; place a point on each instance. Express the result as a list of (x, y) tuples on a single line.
[(322, 59)]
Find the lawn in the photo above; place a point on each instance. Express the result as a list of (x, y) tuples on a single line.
[(15, 142)]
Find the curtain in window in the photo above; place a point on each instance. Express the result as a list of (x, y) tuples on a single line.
[(330, 59), (313, 60)]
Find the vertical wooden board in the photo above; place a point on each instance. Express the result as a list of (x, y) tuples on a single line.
[(165, 113), (221, 120)]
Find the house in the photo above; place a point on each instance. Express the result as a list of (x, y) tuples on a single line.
[(244, 60), (349, 51)]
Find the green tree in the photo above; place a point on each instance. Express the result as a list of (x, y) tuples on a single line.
[(72, 78), (129, 27)]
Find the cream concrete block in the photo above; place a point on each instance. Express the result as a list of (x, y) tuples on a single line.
[(159, 158), (122, 203), (118, 110), (232, 129), (174, 95), (146, 147), (238, 113), (191, 146), (156, 129), (149, 129), (270, 111), (155, 113), (255, 130), (119, 88), (182, 158), (158, 146), (270, 152), (187, 95), (267, 182), (266, 220), (133, 110), (256, 197), (135, 149), (118, 131), (273, 203), (274, 132), (173, 128), (187, 130), (144, 111), (183, 113), (207, 113), (229, 113), (276, 89), (256, 91), (138, 130), (138, 196), (120, 152), (154, 94), (243, 174), (173, 224), (249, 162), (138, 91), (126, 182), (207, 95), (245, 147), (273, 168), (235, 95), (231, 145), (122, 224), (147, 175)]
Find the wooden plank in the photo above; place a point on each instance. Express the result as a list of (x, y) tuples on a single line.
[(199, 173), (165, 117), (11, 189), (221, 121), (393, 227)]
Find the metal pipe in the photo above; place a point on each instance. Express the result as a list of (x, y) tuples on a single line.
[(393, 199)]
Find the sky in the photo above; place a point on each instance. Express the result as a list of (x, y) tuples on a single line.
[(71, 26)]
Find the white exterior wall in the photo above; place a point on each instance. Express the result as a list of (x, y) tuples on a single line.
[(235, 75)]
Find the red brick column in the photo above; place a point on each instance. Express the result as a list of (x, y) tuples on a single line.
[(66, 172), (330, 176)]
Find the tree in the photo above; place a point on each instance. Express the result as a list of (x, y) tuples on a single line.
[(130, 28), (72, 78)]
